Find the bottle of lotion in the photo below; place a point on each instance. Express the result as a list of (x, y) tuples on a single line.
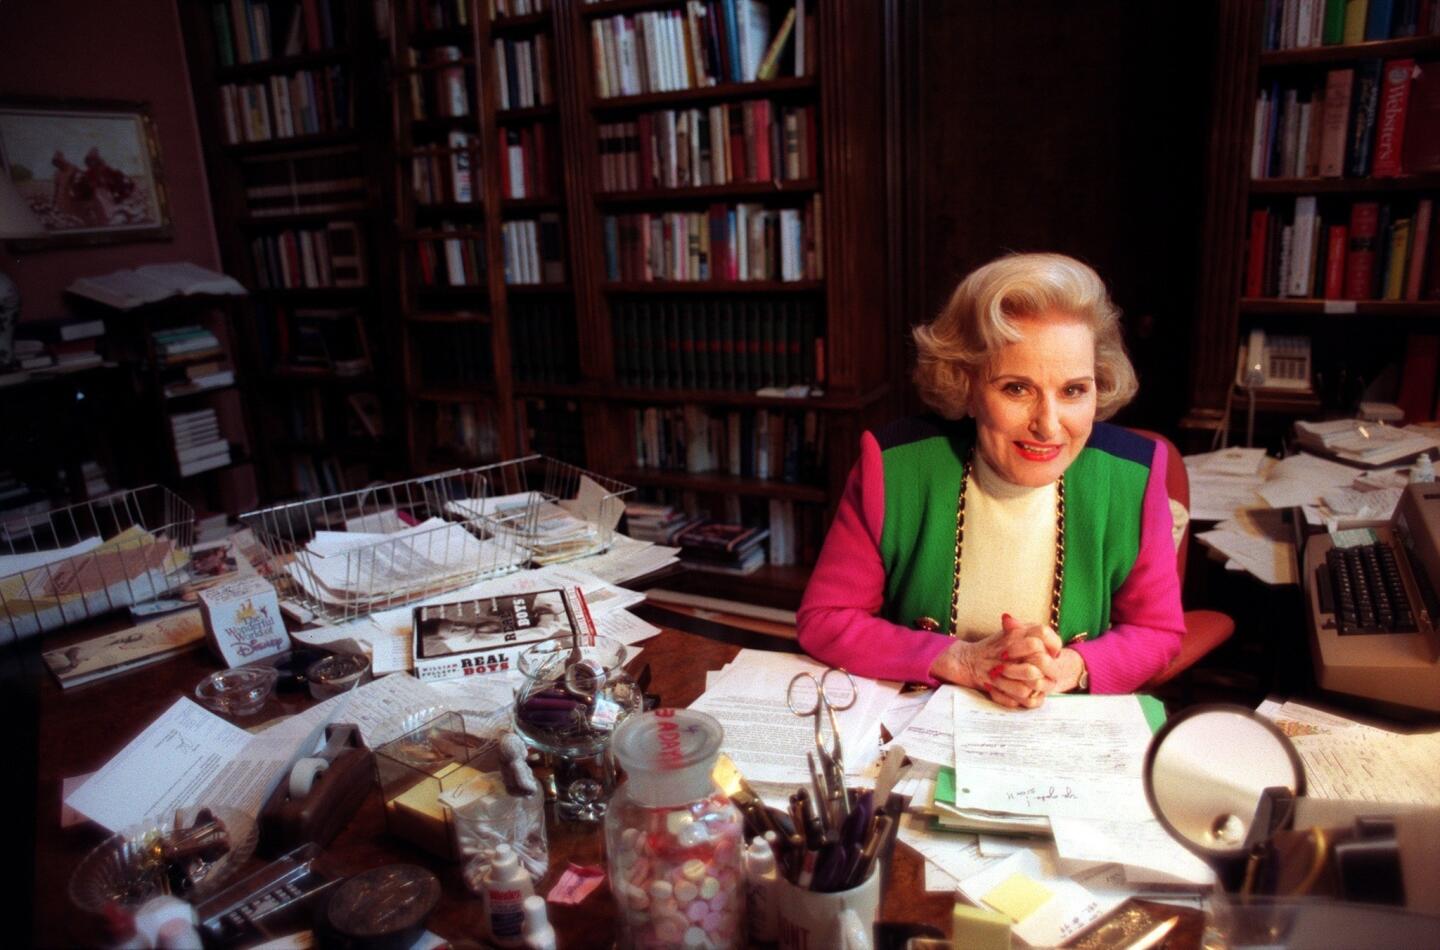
[(539, 935), (507, 884), (761, 876)]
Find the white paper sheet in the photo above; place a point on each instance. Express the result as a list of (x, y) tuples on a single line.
[(1359, 765), (167, 766), (1076, 756), (1302, 479), (1146, 850), (765, 739), (956, 855), (930, 736)]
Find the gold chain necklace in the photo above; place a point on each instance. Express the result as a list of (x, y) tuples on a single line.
[(1059, 579)]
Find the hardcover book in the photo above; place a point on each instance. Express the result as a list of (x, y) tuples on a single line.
[(1390, 124), (137, 646), (488, 634)]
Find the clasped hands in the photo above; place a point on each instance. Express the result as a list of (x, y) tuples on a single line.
[(1017, 667)]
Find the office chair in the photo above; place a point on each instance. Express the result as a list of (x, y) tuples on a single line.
[(1204, 629)]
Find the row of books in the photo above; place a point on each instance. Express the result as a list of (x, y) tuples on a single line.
[(1362, 250), (309, 102), (1372, 120), (317, 476), (534, 250), (437, 14), (728, 142), (755, 443), (332, 256), (323, 341), (199, 444), (446, 94), (457, 261), (553, 427), (466, 430), (721, 41), (196, 377), (58, 346), (253, 31), (523, 69), (726, 345), (442, 174), (452, 355), (739, 242), (529, 167), (544, 346), (516, 7), (1297, 24), (315, 181), (315, 415), (185, 343)]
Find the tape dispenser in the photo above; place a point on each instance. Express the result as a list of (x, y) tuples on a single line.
[(320, 795)]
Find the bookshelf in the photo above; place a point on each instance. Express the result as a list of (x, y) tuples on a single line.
[(1320, 223), (484, 286), (287, 94)]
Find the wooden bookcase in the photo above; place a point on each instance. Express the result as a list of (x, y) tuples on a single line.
[(1352, 341), (287, 103)]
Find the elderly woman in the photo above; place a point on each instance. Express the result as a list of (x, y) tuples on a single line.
[(1012, 543)]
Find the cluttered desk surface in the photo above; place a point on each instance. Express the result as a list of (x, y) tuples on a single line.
[(82, 729)]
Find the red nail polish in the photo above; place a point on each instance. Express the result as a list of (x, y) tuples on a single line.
[(1006, 617), (996, 671), (1004, 654)]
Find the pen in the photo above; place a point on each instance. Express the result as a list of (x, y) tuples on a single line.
[(871, 850), (821, 801)]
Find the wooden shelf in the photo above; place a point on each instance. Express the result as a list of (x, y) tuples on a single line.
[(714, 287), (440, 209), (292, 219), (1340, 308), (707, 193), (450, 36), (463, 291), (768, 585), (538, 290), (524, 205), (240, 72), (1375, 49), (438, 234), (434, 66), (528, 114), (1310, 186), (593, 11), (288, 143), (527, 23), (316, 296), (838, 401), (463, 394), (320, 377), (448, 316), (725, 92), (719, 483)]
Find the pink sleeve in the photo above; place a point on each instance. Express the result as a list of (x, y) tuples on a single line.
[(1146, 616), (836, 623)]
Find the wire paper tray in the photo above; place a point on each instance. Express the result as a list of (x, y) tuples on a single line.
[(347, 555), (77, 562), (555, 510)]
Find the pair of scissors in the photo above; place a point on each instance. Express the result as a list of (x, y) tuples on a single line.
[(833, 692)]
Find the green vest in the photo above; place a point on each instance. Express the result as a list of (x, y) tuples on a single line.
[(923, 461)]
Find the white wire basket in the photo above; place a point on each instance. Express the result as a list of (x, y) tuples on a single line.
[(556, 511), (73, 563), (347, 555)]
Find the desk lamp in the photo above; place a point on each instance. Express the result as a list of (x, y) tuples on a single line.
[(16, 221)]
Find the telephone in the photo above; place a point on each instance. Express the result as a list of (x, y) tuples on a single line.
[(1274, 362)]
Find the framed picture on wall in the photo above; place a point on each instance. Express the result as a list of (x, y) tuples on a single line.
[(90, 170)]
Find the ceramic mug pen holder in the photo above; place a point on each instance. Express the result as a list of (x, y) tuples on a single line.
[(808, 919)]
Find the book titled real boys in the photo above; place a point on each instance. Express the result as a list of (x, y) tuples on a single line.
[(488, 634)]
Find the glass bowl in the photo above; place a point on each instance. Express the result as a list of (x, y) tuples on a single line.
[(120, 871), (238, 692)]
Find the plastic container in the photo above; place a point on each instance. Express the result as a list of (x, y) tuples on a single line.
[(674, 839)]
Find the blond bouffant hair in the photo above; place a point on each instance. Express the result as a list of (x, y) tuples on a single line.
[(978, 321)]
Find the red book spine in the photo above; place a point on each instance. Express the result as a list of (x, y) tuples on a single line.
[(1360, 261), (1390, 130), (1419, 249), (1422, 137), (1339, 241), (647, 167), (763, 170), (1417, 378), (1255, 274), (735, 115)]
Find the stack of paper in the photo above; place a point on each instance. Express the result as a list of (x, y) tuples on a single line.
[(767, 741), (361, 571), (1364, 443)]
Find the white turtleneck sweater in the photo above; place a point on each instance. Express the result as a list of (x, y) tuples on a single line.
[(1008, 561)]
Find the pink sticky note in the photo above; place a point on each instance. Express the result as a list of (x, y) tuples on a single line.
[(576, 884)]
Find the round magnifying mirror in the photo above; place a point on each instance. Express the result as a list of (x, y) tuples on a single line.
[(1206, 773)]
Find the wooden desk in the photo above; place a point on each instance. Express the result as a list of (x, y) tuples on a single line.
[(83, 728)]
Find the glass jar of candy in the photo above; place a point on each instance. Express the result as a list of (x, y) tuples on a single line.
[(674, 839)]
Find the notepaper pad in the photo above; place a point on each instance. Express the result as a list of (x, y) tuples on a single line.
[(1018, 896)]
